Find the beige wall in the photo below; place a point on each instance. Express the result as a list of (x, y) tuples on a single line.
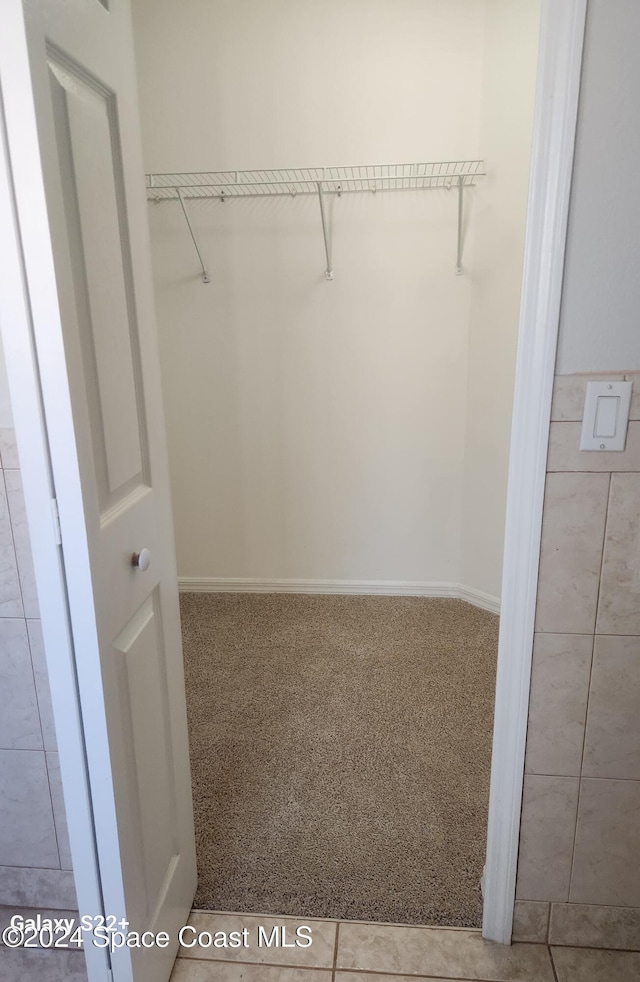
[(317, 430), (510, 54)]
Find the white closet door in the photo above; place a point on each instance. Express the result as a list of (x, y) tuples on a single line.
[(110, 468)]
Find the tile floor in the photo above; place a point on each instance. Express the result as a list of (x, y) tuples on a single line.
[(349, 951)]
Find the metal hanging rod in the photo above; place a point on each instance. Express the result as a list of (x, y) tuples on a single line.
[(221, 185)]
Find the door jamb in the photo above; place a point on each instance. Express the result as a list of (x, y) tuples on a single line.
[(559, 63), (555, 118)]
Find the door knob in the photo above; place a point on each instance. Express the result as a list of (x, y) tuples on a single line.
[(141, 559)]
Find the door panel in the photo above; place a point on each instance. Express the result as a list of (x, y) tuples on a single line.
[(143, 681), (125, 620), (85, 120)]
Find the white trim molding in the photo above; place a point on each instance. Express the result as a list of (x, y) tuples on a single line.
[(26, 306), (558, 85), (479, 598), (365, 588)]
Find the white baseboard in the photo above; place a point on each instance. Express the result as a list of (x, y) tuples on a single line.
[(478, 598), (390, 588)]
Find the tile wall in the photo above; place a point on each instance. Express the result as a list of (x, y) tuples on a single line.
[(579, 862), (35, 862)]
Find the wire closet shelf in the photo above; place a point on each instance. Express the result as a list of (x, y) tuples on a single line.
[(304, 180), (222, 185)]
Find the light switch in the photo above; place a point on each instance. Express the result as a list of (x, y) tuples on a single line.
[(607, 408), (606, 415)]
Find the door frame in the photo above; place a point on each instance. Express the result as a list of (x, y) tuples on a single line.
[(42, 418), (560, 52), (28, 309)]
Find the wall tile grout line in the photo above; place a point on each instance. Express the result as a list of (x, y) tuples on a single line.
[(548, 928), (14, 505), (594, 472), (335, 952), (604, 542), (23, 616), (53, 811), (626, 780), (13, 541), (588, 634), (35, 869), (586, 717), (236, 961), (585, 947), (35, 689), (553, 964), (441, 978)]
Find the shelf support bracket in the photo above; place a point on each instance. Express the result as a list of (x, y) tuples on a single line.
[(329, 270), (459, 266), (205, 273)]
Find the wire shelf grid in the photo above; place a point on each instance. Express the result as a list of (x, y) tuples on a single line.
[(305, 180)]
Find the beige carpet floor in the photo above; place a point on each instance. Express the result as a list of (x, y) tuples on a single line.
[(340, 750)]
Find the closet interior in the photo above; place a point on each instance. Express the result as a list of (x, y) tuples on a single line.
[(338, 363)]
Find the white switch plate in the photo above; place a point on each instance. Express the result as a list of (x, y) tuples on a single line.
[(606, 416)]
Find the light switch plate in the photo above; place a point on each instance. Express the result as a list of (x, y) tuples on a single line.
[(606, 416)]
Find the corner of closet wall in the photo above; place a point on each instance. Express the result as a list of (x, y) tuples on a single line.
[(301, 413), (511, 32)]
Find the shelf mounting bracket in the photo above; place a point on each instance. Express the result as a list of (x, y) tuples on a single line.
[(205, 273), (459, 266), (329, 270)]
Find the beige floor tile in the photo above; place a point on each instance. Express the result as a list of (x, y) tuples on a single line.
[(546, 837), (10, 594), (27, 830), (530, 921), (593, 926), (25, 887), (43, 689), (6, 913), (607, 844), (24, 556), (366, 977), (591, 965), (19, 720), (569, 393), (612, 740), (619, 603), (558, 703), (447, 954), (565, 453), (575, 508), (319, 954), (192, 970), (47, 965), (634, 410)]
